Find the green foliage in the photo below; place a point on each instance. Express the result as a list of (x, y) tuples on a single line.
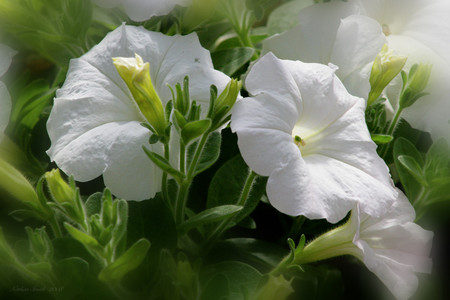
[(211, 215), (208, 156), (285, 16), (425, 177), (129, 261), (231, 60), (56, 29), (228, 183)]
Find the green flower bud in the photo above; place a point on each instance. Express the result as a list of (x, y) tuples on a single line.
[(40, 244), (414, 84), (136, 75), (385, 67), (12, 181), (59, 189), (275, 288), (225, 102)]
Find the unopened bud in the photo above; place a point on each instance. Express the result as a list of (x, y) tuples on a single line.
[(136, 75), (385, 68), (415, 84), (59, 189)]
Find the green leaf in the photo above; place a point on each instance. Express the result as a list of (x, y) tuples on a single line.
[(93, 204), (193, 130), (129, 261), (120, 230), (163, 164), (286, 16), (404, 147), (381, 139), (241, 276), (231, 60), (260, 253), (88, 241), (72, 277), (234, 42), (413, 168), (211, 215), (227, 185), (215, 287), (209, 155)]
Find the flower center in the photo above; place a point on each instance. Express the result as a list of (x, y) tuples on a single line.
[(299, 141), (386, 29)]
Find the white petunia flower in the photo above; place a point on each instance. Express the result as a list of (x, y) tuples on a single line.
[(392, 246), (95, 126), (6, 55), (334, 33), (141, 10), (350, 35), (308, 134)]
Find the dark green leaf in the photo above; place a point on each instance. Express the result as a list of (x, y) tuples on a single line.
[(240, 277), (286, 16), (413, 167), (129, 261), (210, 152), (88, 241), (93, 204), (231, 60), (72, 276), (163, 164), (227, 185), (404, 147), (211, 215), (193, 130)]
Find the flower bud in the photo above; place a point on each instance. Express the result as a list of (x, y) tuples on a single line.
[(415, 84), (59, 189), (225, 102), (12, 181), (275, 288), (385, 67), (136, 75)]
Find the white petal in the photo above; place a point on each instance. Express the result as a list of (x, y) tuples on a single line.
[(171, 58), (86, 157), (312, 40), (270, 75), (292, 190), (264, 150), (399, 278), (6, 55), (358, 41), (129, 172), (5, 107), (341, 185)]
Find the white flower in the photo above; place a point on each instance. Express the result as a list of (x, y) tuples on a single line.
[(308, 134), (6, 55), (95, 126), (334, 33), (141, 10), (351, 34), (392, 246)]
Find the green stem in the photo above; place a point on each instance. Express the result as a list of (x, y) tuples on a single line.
[(418, 204), (55, 227), (180, 204), (164, 177), (183, 192), (182, 157), (197, 154), (391, 130), (241, 202)]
